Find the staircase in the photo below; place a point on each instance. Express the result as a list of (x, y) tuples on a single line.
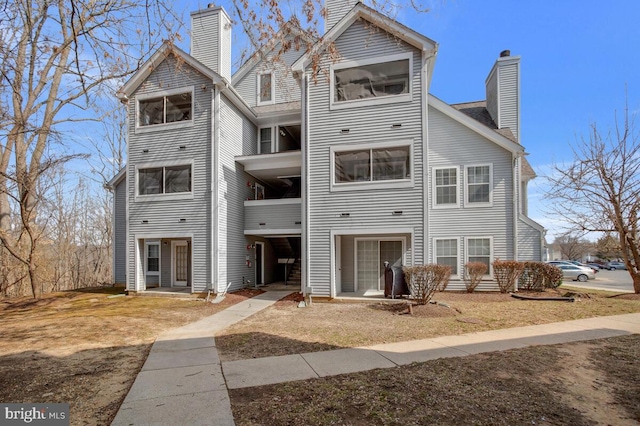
[(295, 274)]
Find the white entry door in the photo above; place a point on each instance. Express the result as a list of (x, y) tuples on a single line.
[(179, 263)]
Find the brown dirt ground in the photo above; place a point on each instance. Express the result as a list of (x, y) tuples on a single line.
[(584, 383), (85, 349), (286, 329)]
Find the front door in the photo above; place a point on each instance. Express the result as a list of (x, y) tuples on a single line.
[(179, 263), (259, 260)]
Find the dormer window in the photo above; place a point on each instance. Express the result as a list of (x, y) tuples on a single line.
[(366, 82), (169, 107), (266, 88)]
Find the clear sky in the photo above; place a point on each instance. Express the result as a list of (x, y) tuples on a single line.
[(577, 58)]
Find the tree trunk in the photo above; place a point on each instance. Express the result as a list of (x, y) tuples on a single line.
[(636, 282)]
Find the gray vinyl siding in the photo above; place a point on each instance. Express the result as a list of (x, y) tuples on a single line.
[(280, 216), (370, 210), (453, 145), (492, 94), (347, 252), (211, 40), (529, 242), (165, 264), (237, 137), (120, 233), (287, 88), (164, 216), (508, 92)]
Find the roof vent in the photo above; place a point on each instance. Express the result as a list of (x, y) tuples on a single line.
[(505, 53), (211, 5)]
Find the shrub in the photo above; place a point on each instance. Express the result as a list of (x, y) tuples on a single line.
[(553, 276), (539, 275), (473, 273), (533, 276), (424, 280), (506, 273)]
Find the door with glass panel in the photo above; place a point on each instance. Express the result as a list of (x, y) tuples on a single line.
[(370, 257), (179, 264)]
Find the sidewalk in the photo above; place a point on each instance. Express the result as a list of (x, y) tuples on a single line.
[(184, 382), (278, 369), (181, 381)]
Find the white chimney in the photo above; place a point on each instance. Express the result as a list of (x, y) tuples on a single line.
[(211, 39), (336, 10), (503, 92)]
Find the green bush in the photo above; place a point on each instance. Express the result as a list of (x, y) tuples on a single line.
[(424, 280)]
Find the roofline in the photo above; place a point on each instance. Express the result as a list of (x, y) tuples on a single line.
[(475, 125), (155, 60), (361, 11), (254, 59), (532, 223), (116, 179)]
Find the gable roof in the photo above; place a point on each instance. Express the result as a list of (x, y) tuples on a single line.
[(156, 59), (289, 28), (476, 121), (360, 11), (111, 185)]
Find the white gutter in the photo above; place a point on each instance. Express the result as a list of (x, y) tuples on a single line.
[(304, 173)]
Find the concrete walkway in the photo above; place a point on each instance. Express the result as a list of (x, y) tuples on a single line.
[(278, 369), (181, 382), (184, 382)]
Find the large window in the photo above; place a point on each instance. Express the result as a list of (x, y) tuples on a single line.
[(479, 250), (164, 180), (376, 164), (446, 253), (479, 183), (152, 258), (266, 88), (445, 186), (371, 81), (165, 109)]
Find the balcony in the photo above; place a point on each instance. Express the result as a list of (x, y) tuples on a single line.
[(273, 218)]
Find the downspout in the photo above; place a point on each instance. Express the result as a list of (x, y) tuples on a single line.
[(516, 213), (426, 56), (304, 234), (215, 138)]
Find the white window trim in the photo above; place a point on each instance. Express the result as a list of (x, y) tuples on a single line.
[(459, 275), (146, 258), (378, 184), (406, 97), (434, 188), (260, 102), (491, 253), (164, 197), (466, 186), (378, 239), (164, 126), (273, 144)]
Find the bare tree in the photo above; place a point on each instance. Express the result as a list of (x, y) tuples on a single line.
[(56, 60), (600, 190), (572, 246), (608, 248)]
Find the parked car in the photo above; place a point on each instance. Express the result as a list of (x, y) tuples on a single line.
[(575, 262), (575, 272), (612, 266), (595, 266)]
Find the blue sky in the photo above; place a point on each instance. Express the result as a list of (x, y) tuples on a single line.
[(577, 59)]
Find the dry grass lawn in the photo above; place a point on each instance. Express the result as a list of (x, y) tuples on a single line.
[(584, 383), (286, 329), (84, 348)]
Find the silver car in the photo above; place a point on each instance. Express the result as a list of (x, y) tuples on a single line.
[(575, 272)]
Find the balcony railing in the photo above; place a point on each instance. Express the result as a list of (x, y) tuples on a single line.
[(272, 217)]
